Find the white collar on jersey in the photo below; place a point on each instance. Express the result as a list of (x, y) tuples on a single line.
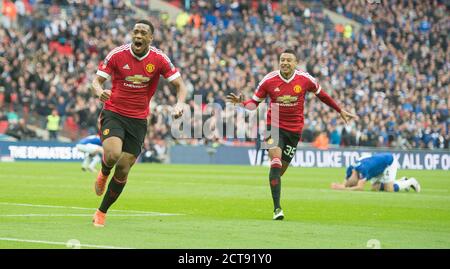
[(140, 58), (288, 80)]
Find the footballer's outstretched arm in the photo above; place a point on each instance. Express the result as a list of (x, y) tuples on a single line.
[(249, 104), (181, 96), (179, 85), (352, 183), (325, 98), (252, 103), (358, 187), (97, 86)]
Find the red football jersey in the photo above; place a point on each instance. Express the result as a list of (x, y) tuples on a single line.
[(134, 79), (288, 95)]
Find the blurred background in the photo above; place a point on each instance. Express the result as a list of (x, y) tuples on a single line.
[(387, 61)]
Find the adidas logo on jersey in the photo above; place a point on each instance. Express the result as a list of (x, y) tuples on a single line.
[(126, 67), (277, 89)]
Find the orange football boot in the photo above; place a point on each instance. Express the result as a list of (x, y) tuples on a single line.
[(99, 219), (100, 183)]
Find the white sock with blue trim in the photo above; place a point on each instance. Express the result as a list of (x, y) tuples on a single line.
[(400, 185)]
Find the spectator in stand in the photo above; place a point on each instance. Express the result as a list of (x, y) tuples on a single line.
[(321, 141), (20, 131), (53, 125)]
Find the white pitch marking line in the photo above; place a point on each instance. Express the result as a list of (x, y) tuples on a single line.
[(85, 208), (85, 215), (56, 243)]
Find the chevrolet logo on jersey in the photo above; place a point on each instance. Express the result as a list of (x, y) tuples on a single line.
[(286, 99), (137, 79)]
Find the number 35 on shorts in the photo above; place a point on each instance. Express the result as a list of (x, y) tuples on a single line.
[(289, 151)]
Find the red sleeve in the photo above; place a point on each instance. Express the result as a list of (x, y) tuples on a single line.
[(313, 86), (168, 70), (261, 91), (250, 104), (324, 97), (106, 67)]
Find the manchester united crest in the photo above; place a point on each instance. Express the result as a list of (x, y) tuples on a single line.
[(149, 68), (297, 88), (106, 132)]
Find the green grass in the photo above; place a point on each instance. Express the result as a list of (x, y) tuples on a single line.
[(221, 207)]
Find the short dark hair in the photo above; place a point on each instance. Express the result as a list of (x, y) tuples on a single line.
[(290, 51), (147, 22)]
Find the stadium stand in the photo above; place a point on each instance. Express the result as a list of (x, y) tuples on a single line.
[(393, 72)]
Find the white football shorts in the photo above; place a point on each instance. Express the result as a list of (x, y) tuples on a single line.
[(389, 175)]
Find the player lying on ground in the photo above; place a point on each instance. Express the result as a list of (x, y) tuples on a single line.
[(380, 170), (287, 89), (91, 146)]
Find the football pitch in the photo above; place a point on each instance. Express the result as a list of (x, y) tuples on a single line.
[(50, 205)]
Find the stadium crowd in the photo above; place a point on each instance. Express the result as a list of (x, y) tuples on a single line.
[(393, 72)]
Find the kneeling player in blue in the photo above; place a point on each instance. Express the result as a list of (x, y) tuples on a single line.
[(380, 170), (92, 148)]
